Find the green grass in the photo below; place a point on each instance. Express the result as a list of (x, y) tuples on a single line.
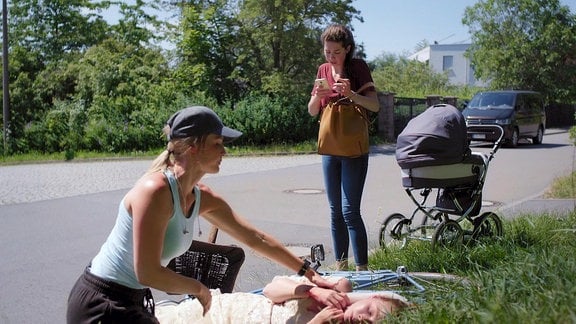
[(232, 150), (563, 188), (527, 276), (308, 147), (37, 157)]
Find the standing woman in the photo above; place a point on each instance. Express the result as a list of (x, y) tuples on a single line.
[(344, 177), (155, 224)]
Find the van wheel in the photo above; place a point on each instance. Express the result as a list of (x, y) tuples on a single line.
[(538, 139), (513, 141)]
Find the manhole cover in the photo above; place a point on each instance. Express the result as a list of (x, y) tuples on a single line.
[(305, 191)]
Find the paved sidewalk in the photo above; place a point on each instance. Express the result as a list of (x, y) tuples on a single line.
[(541, 205)]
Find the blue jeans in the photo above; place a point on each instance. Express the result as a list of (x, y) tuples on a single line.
[(344, 180)]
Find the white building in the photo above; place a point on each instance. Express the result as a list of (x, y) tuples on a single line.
[(450, 59)]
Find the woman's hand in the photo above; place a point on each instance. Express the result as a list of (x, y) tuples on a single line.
[(342, 86), (328, 315), (329, 297), (319, 280), (205, 298), (321, 92), (317, 94)]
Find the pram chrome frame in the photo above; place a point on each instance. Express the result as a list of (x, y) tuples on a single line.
[(441, 225)]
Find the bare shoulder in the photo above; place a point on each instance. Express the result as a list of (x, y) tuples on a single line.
[(208, 195), (149, 187), (152, 183), (205, 189), (213, 207)]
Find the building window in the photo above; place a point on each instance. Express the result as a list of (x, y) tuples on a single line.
[(447, 62)]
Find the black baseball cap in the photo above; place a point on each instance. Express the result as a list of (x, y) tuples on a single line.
[(199, 121)]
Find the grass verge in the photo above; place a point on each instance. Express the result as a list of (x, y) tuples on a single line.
[(526, 276), (39, 157)]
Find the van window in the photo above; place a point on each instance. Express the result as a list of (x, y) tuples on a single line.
[(520, 102), (492, 100), (534, 103)]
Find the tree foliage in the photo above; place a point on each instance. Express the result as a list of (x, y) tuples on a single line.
[(524, 44), (55, 27), (413, 79), (230, 48), (81, 82)]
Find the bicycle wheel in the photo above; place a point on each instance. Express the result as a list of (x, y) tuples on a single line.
[(394, 231), (448, 233), (488, 225)]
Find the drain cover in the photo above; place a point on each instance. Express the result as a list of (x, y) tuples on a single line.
[(305, 191)]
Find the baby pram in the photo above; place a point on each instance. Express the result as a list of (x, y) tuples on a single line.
[(434, 156)]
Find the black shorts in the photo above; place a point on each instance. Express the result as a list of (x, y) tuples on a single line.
[(95, 300)]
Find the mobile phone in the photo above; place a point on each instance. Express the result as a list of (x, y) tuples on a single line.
[(321, 83)]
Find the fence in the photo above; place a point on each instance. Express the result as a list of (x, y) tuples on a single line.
[(396, 112), (560, 115)]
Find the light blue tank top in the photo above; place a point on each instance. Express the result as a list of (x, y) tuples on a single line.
[(115, 261)]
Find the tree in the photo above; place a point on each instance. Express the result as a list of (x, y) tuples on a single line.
[(138, 26), (124, 91), (229, 48), (207, 50), (55, 27), (524, 44), (409, 78), (50, 43), (283, 46)]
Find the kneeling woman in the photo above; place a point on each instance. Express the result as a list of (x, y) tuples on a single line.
[(155, 222)]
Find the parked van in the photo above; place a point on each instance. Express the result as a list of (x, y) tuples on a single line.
[(520, 113)]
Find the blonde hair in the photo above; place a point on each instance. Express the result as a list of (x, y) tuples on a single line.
[(396, 302), (174, 148)]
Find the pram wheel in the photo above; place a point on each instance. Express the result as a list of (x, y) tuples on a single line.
[(429, 224), (487, 225), (448, 233), (394, 231)]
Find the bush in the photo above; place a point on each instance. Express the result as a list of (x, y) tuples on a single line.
[(265, 120)]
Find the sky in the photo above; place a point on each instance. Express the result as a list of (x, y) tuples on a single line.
[(397, 26)]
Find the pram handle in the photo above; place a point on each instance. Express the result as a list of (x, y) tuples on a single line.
[(498, 142)]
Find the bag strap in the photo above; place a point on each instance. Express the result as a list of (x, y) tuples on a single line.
[(363, 112), (362, 88), (366, 86)]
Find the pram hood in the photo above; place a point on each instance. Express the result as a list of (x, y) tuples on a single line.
[(437, 136)]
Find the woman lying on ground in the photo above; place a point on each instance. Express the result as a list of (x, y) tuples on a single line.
[(288, 300)]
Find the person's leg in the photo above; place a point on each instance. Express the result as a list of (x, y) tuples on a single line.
[(354, 172), (94, 300), (85, 304), (332, 169)]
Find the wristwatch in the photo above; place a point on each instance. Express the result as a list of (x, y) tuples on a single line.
[(305, 267)]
